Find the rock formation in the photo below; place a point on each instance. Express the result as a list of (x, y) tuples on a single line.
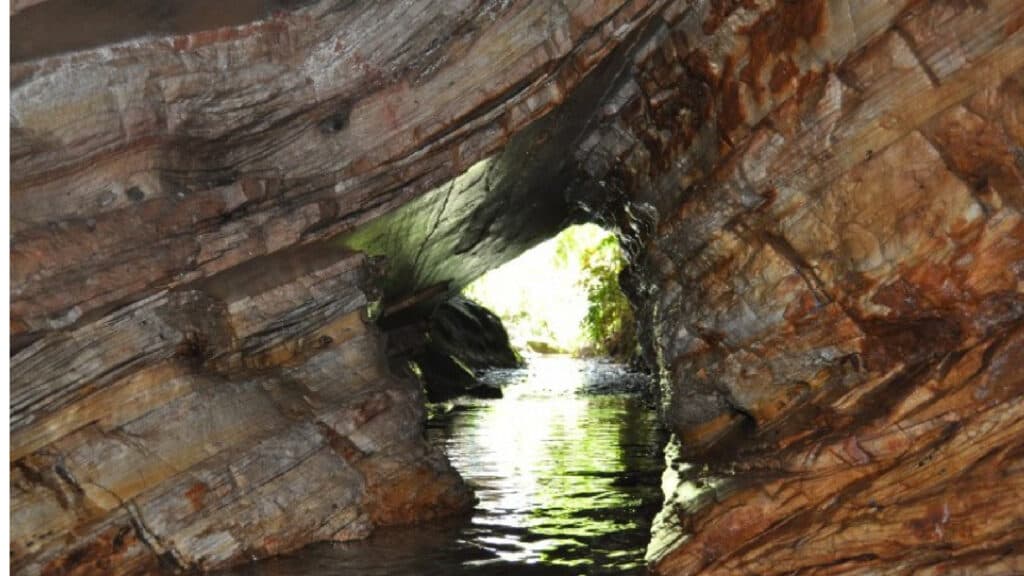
[(475, 335), (821, 202), (449, 349), (247, 414)]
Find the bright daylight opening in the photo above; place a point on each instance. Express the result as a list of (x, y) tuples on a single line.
[(566, 458), (563, 296)]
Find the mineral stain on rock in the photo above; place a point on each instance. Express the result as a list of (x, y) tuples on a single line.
[(232, 227), (195, 495)]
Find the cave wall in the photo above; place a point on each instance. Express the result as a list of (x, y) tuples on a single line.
[(834, 286), (156, 162), (243, 417), (821, 202), (198, 374)]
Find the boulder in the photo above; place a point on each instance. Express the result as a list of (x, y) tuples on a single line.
[(470, 332)]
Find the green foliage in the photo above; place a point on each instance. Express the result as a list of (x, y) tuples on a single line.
[(609, 324), (563, 295)]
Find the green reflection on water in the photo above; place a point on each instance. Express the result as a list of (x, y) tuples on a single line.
[(568, 484), (577, 476)]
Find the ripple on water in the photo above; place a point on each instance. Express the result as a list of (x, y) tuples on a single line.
[(567, 468)]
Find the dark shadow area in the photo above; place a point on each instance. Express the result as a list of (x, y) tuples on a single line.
[(57, 26)]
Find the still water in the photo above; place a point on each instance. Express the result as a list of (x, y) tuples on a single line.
[(567, 469)]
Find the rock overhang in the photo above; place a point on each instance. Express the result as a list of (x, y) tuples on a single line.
[(820, 201)]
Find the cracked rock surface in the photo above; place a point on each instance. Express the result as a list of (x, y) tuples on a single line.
[(821, 202)]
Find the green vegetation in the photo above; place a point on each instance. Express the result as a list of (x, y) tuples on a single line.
[(563, 296), (609, 325)]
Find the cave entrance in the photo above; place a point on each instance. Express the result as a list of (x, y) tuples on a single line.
[(563, 296), (564, 452)]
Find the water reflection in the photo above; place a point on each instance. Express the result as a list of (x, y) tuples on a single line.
[(567, 469)]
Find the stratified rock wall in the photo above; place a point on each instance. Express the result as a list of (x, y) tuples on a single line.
[(244, 417), (834, 281), (821, 201), (196, 380), (162, 160)]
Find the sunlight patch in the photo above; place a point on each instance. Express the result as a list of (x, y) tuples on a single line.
[(562, 296)]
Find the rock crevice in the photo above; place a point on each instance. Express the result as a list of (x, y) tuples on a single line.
[(821, 203)]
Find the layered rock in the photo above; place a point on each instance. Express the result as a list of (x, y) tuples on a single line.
[(835, 284), (821, 202), (239, 418), (160, 161), (196, 381)]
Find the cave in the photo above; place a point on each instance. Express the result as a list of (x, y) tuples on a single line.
[(235, 231)]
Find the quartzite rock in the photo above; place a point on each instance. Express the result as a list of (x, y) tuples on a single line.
[(240, 418), (835, 284), (195, 382), (821, 202)]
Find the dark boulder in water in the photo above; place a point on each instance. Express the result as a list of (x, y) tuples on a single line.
[(466, 330), (444, 378)]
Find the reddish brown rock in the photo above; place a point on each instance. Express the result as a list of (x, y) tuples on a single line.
[(828, 306), (821, 202)]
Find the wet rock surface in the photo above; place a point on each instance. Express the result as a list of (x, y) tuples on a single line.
[(445, 378), (821, 203), (450, 349)]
